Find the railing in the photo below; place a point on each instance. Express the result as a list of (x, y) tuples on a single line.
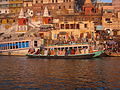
[(70, 44)]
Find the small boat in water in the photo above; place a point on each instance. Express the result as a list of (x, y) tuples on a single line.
[(80, 56), (98, 53), (66, 51), (113, 54), (113, 48)]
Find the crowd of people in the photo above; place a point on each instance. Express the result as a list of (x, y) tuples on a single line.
[(113, 46), (59, 51)]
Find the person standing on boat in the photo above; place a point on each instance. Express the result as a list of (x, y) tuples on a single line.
[(31, 51), (67, 52), (60, 52), (45, 52), (49, 52), (85, 50), (52, 52), (37, 52), (63, 52), (82, 51), (73, 51), (56, 52), (77, 52)]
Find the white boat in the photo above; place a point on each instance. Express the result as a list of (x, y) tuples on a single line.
[(20, 47)]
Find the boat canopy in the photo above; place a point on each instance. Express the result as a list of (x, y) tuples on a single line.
[(67, 45)]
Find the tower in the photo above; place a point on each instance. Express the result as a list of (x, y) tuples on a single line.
[(80, 3), (22, 22), (87, 2), (47, 19), (88, 7)]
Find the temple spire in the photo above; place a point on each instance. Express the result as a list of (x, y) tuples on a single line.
[(46, 13), (87, 2), (21, 15)]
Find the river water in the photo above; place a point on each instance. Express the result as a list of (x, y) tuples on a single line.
[(22, 73)]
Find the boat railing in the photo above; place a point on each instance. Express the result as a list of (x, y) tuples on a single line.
[(86, 43), (14, 49)]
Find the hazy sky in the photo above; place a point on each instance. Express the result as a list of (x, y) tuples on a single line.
[(106, 0)]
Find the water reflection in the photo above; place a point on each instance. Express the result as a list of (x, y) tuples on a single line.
[(23, 73)]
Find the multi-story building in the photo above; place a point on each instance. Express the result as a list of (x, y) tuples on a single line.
[(78, 30), (15, 6), (55, 7), (88, 13), (10, 6), (111, 20), (4, 6), (27, 3), (9, 10), (116, 4)]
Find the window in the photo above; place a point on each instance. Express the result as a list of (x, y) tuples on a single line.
[(23, 44), (41, 7), (19, 45), (59, 7), (69, 7), (16, 44), (115, 33), (107, 19), (27, 5), (27, 44), (52, 1), (5, 11), (11, 46), (35, 43), (77, 26), (72, 26), (85, 25), (62, 26), (67, 26), (13, 20)]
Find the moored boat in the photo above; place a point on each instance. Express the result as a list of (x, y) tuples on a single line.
[(98, 53), (19, 47), (80, 56), (66, 51), (113, 54), (113, 48)]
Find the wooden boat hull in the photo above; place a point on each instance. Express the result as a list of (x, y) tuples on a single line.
[(98, 53), (81, 56), (17, 52), (113, 54)]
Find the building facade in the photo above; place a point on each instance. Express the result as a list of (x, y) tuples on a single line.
[(9, 10), (111, 20), (55, 7), (27, 3), (116, 4), (88, 13), (4, 6), (15, 6)]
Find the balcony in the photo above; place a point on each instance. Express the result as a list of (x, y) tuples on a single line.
[(13, 2), (4, 2)]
